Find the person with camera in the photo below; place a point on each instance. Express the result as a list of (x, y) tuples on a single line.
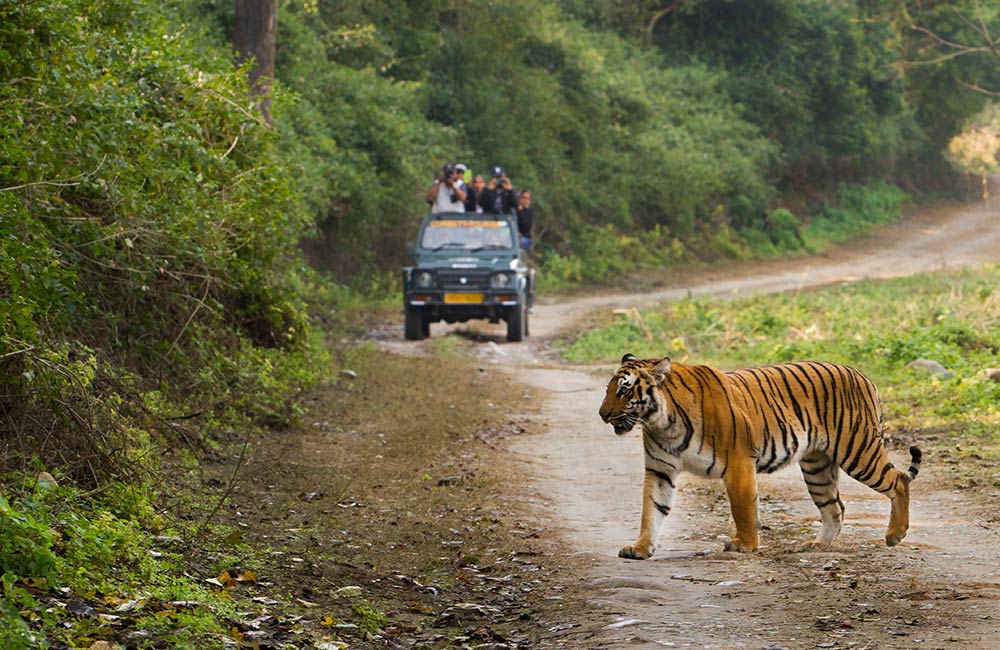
[(473, 193), (498, 197), (445, 195), (460, 169)]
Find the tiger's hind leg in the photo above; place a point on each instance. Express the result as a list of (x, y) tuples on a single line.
[(821, 475), (880, 475), (899, 518)]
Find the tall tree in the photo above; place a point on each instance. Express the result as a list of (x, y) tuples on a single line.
[(254, 32)]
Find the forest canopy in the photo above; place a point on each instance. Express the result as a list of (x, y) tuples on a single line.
[(679, 125)]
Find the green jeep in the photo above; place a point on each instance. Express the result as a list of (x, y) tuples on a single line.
[(467, 265)]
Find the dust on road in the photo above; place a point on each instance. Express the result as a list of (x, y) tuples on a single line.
[(940, 588)]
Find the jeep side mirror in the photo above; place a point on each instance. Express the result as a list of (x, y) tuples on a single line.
[(411, 249)]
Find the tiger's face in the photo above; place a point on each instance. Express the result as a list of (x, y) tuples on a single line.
[(631, 394)]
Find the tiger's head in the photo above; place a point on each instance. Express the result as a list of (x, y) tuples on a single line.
[(632, 393)]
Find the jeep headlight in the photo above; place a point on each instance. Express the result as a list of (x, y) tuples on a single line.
[(425, 279), (501, 281)]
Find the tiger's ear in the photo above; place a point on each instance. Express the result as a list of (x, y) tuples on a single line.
[(661, 370), (629, 357)]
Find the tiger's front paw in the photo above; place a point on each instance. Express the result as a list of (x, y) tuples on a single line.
[(739, 546), (636, 552), (894, 537), (817, 545)]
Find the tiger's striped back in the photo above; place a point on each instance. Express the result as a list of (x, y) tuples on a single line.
[(815, 405)]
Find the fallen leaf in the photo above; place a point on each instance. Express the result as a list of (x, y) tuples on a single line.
[(422, 609), (561, 627), (350, 590), (227, 580), (81, 609), (621, 624)]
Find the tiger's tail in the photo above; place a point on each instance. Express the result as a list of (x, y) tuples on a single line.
[(916, 455)]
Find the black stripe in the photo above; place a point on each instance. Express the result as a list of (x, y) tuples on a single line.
[(813, 472), (803, 417), (663, 476)]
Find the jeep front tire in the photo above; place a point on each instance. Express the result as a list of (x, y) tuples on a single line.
[(415, 326), (515, 324)]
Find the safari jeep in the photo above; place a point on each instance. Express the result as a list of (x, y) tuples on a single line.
[(467, 265)]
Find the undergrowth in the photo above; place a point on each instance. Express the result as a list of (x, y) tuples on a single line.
[(153, 299), (602, 254)]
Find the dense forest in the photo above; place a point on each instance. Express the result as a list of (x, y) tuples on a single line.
[(651, 132), (170, 260)]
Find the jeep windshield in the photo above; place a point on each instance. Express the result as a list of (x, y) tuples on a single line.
[(466, 235)]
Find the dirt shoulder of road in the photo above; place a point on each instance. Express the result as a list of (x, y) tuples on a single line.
[(393, 516)]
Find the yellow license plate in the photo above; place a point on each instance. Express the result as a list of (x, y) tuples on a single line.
[(452, 298)]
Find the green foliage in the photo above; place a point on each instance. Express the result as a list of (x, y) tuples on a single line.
[(147, 228), (15, 632), (25, 545), (818, 80), (371, 621), (943, 88), (59, 545), (857, 208), (601, 254)]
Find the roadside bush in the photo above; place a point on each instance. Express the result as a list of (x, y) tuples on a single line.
[(148, 232), (602, 254)]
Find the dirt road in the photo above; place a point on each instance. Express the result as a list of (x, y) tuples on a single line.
[(940, 588)]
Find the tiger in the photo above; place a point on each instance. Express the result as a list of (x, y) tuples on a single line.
[(733, 425)]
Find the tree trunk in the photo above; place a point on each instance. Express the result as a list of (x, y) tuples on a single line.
[(253, 38)]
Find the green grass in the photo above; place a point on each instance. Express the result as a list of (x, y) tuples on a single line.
[(876, 326), (58, 549)]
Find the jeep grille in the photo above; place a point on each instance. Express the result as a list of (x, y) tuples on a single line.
[(474, 278)]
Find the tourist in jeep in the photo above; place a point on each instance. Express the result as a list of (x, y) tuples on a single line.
[(445, 194), (499, 196)]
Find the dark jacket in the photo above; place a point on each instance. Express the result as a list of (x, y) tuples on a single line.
[(525, 219), (471, 199), (488, 197)]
